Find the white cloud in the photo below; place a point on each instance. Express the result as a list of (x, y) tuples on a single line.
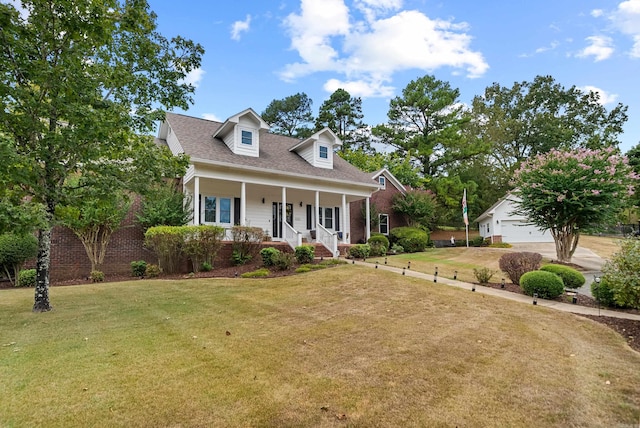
[(239, 27), (328, 37), (360, 88), (600, 48), (551, 47), (627, 20), (211, 116), (604, 97), (194, 77), (597, 13)]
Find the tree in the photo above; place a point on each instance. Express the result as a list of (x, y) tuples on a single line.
[(93, 219), (417, 206), (622, 274), (567, 191), (343, 115), (290, 116), (534, 117), (81, 83), (426, 122), (164, 205)]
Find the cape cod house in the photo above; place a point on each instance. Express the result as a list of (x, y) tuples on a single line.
[(500, 224), (241, 174)]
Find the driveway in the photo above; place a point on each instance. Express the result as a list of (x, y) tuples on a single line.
[(583, 257)]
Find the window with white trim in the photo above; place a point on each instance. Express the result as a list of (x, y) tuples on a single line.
[(383, 225), (382, 180), (324, 152), (247, 137), (217, 210), (326, 217)]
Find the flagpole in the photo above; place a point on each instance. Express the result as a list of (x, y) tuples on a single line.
[(465, 216)]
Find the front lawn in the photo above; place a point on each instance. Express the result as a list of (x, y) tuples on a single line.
[(350, 346)]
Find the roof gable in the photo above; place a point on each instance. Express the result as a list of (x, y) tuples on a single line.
[(241, 133), (390, 178), (318, 148)]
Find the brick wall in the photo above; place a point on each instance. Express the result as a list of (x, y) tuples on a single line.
[(383, 201)]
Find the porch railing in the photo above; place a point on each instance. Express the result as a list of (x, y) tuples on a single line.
[(292, 236), (328, 239)]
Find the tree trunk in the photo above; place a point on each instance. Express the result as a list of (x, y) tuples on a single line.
[(566, 239), (41, 303)]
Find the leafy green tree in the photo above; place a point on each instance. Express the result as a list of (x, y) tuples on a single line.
[(530, 118), (81, 83), (343, 115), (290, 116), (15, 250), (622, 274), (426, 122), (164, 205), (634, 162), (567, 191), (93, 218), (449, 191), (417, 206)]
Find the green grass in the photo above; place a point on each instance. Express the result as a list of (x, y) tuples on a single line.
[(381, 348)]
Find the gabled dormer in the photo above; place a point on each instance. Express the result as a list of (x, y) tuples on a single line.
[(241, 133), (318, 149)]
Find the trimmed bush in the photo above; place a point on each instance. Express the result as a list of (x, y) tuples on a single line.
[(201, 244), (571, 277), (603, 293), (379, 245), (305, 253), (260, 273), (548, 285), (152, 271), (246, 243), (517, 264), (412, 239), (26, 278), (14, 251), (359, 251), (268, 256), (96, 276), (397, 249), (477, 241), (166, 242), (621, 274), (283, 261), (483, 275), (138, 268), (206, 267)]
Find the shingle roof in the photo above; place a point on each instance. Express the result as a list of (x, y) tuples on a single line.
[(196, 138)]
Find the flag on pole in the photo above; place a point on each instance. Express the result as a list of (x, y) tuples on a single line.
[(465, 217)]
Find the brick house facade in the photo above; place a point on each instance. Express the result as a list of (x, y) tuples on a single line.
[(381, 204)]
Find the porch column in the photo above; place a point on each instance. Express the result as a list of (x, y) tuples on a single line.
[(345, 228), (283, 214), (196, 200), (315, 210), (367, 228), (243, 204)]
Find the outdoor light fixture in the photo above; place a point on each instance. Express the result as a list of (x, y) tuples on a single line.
[(376, 265), (385, 260), (502, 283), (473, 287), (535, 298), (321, 258), (403, 271), (455, 274), (597, 279), (300, 203), (574, 299), (409, 265), (263, 200), (353, 262), (435, 276), (236, 274)]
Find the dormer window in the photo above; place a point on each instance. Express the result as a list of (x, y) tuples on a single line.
[(247, 137), (382, 181), (324, 152)]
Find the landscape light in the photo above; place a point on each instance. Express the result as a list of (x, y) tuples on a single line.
[(574, 299), (385, 260), (455, 274), (435, 276), (376, 265), (403, 271), (473, 286), (502, 283), (535, 298), (409, 265)]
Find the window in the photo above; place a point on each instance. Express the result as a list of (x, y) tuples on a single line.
[(217, 210), (328, 218), (247, 138), (384, 224), (324, 152), (383, 181)]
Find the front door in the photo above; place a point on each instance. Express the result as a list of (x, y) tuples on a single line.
[(276, 214)]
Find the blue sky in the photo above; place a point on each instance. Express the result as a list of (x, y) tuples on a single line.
[(260, 50)]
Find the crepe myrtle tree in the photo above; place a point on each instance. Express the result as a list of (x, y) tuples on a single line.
[(566, 191)]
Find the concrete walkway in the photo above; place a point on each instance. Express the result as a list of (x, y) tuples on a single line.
[(522, 298)]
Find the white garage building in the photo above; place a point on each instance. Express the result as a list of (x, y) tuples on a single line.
[(501, 224)]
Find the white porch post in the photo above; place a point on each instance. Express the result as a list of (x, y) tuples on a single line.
[(345, 227), (283, 213), (315, 209), (243, 204), (367, 227), (196, 200)]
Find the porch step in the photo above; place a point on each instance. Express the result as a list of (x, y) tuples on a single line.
[(321, 251)]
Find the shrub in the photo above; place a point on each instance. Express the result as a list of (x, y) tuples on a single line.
[(283, 261), (548, 285), (152, 271), (359, 251), (138, 268), (260, 273), (412, 239), (397, 249), (379, 245), (165, 206), (476, 241), (483, 275), (517, 264), (305, 253), (206, 267), (96, 276), (571, 277), (621, 274), (26, 278), (166, 242), (201, 244), (268, 256), (603, 293), (246, 243), (14, 251), (303, 269)]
